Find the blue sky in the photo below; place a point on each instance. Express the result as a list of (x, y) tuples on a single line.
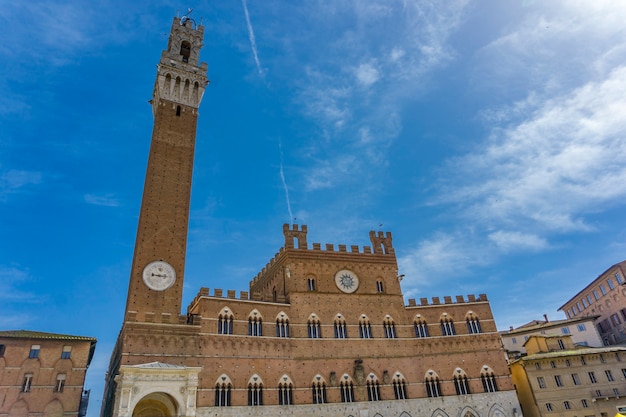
[(488, 137)]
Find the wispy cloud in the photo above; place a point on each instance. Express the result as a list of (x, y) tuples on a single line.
[(14, 180), (554, 167), (252, 40), (107, 200), (282, 178), (11, 279)]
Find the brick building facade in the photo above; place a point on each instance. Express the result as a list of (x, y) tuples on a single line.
[(319, 332), (43, 374), (604, 297)]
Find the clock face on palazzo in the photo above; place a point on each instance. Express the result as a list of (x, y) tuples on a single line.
[(159, 275), (346, 281)]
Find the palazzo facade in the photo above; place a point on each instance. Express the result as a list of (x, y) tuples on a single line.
[(320, 331)]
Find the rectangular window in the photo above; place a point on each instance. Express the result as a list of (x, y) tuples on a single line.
[(609, 375), (579, 307), (624, 372), (548, 406), (565, 330), (602, 290), (581, 327), (583, 361), (584, 403), (585, 305), (592, 378), (574, 309), (34, 352), (537, 366), (610, 282), (569, 313), (576, 379), (595, 295), (623, 313), (67, 352), (567, 363), (514, 340), (27, 382), (616, 392), (552, 364), (557, 379), (561, 344), (2, 348), (567, 405), (615, 320), (60, 384), (541, 382), (619, 279)]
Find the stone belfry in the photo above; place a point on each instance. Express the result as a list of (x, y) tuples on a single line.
[(156, 280)]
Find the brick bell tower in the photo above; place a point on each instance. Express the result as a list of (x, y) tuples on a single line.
[(156, 279)]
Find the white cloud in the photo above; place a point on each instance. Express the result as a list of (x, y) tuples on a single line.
[(553, 168), (512, 240), (367, 74), (107, 200), (13, 180), (435, 256), (11, 278)]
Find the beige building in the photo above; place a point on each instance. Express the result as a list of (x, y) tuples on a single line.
[(42, 374), (605, 297), (582, 330), (320, 331), (557, 379)]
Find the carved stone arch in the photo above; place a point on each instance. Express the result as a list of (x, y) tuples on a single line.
[(445, 317), (419, 319), (254, 314), (471, 315), (486, 370), (339, 318), (378, 415), (405, 414), (496, 410), (226, 312), (313, 318), (388, 319), (282, 316), (346, 379), (439, 413), (318, 379), (156, 404), (398, 376), (255, 380), (431, 374), (285, 380), (468, 412), (53, 409), (372, 377), (223, 379), (363, 319), (458, 372), (19, 409)]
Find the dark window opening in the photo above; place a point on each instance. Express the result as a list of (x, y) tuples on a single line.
[(185, 50), (177, 110)]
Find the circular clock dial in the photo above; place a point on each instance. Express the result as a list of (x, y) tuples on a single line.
[(346, 281), (159, 275)]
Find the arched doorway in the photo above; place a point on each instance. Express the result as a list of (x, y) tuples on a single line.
[(157, 404)]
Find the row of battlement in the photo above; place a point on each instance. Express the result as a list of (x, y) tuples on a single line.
[(295, 238), (245, 295), (459, 299)]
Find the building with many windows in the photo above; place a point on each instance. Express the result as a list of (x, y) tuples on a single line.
[(321, 330), (43, 374), (582, 329), (557, 379), (605, 297)]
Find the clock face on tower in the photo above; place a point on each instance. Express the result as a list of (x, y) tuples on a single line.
[(159, 275), (346, 281)]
